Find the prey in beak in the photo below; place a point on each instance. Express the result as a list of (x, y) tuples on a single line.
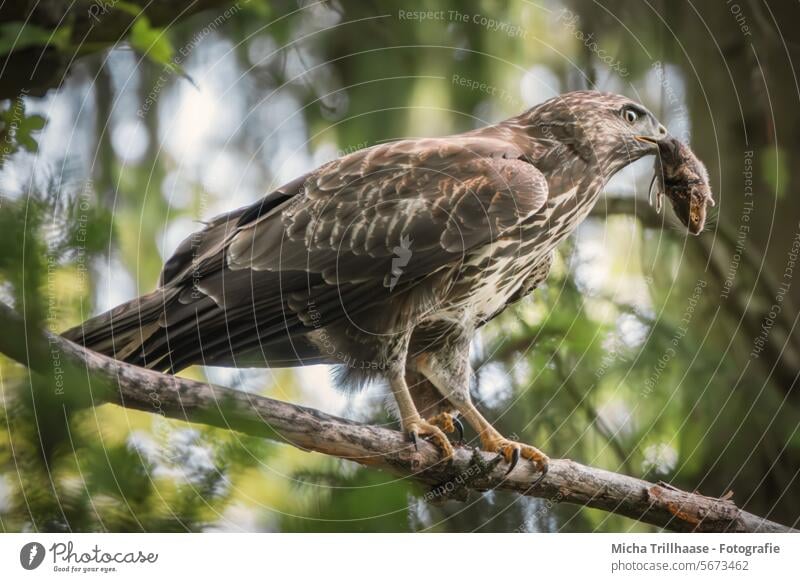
[(683, 178)]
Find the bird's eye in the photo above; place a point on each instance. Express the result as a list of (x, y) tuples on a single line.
[(629, 115)]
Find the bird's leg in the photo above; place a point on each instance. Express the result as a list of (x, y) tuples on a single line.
[(449, 371), (413, 424), (432, 406), (493, 441)]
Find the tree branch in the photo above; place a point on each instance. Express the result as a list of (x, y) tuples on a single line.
[(92, 26), (311, 430)]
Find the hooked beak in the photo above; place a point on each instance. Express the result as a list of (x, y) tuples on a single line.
[(662, 135)]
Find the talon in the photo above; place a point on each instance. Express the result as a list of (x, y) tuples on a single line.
[(490, 466), (514, 460), (459, 429), (541, 477), (413, 435), (512, 452), (421, 428)]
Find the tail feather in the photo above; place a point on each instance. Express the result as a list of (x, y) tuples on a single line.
[(121, 332), (168, 331)]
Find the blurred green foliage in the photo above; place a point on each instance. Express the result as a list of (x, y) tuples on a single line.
[(16, 130)]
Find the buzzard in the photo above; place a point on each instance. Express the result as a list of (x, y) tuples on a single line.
[(386, 261)]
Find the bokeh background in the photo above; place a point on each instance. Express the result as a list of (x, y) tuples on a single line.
[(648, 352)]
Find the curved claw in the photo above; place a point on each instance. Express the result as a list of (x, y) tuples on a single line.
[(514, 460), (459, 429), (497, 460), (413, 436), (421, 428), (541, 477)]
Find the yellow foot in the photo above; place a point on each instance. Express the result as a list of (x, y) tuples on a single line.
[(449, 424), (512, 451), (421, 428)]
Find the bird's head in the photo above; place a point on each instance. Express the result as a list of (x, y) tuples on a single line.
[(612, 131), (604, 128)]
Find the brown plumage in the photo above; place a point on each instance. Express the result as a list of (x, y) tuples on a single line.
[(386, 261)]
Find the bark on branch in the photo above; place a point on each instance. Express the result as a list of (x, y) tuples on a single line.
[(311, 430)]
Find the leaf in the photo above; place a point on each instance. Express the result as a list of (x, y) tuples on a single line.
[(151, 42), (62, 39), (18, 36), (34, 122), (28, 143), (15, 36), (131, 9), (16, 129)]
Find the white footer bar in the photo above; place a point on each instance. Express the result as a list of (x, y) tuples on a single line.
[(356, 557)]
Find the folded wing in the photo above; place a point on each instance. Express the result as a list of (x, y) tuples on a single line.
[(328, 244)]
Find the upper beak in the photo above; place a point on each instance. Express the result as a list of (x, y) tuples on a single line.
[(662, 134)]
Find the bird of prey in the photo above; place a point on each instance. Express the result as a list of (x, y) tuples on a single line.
[(386, 261)]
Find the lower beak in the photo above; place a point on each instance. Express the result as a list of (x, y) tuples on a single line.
[(647, 139)]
